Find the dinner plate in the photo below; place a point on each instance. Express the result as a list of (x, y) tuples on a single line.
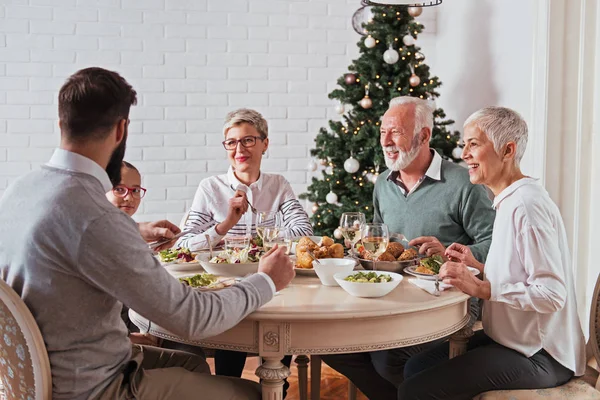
[(183, 267), (420, 275), (227, 282)]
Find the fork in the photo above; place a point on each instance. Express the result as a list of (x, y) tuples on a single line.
[(247, 201), (436, 292)]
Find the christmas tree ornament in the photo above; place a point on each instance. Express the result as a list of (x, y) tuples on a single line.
[(370, 42), (315, 208), (361, 17), (312, 165), (419, 56), (350, 79), (337, 233), (457, 152), (329, 170), (323, 162), (366, 102), (331, 198), (415, 11), (351, 165), (414, 80), (408, 40), (340, 109), (391, 56)]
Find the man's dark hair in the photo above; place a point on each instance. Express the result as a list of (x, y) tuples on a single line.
[(92, 101)]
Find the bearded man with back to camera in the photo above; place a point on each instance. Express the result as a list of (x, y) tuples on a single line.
[(428, 200)]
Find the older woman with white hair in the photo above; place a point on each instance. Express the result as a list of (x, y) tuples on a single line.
[(532, 337), (221, 203)]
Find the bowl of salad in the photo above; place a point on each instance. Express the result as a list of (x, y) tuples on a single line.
[(368, 283), (232, 262)]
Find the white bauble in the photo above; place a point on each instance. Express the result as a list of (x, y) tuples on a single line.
[(312, 165), (340, 109), (331, 198), (315, 208), (351, 165), (408, 40), (370, 42), (414, 80), (329, 170), (366, 103), (457, 152), (391, 56), (372, 177), (337, 233)]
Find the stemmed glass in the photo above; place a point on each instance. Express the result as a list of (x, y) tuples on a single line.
[(351, 224), (375, 238), (277, 235), (267, 219)]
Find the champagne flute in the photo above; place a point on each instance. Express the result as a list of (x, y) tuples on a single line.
[(351, 224), (266, 219), (278, 235), (375, 238)]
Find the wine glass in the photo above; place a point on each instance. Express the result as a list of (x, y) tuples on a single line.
[(267, 219), (277, 235), (351, 224), (375, 238)]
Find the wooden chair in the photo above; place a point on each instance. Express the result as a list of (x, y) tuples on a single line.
[(24, 364), (584, 387)]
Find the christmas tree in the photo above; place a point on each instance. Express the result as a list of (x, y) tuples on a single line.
[(390, 65)]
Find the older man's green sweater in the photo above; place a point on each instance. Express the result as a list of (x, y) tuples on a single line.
[(451, 209)]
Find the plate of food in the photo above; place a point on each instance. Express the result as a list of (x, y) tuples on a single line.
[(207, 282), (232, 262), (178, 259), (395, 259), (324, 248), (296, 240), (429, 267), (368, 283)]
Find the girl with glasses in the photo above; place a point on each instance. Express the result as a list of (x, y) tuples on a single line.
[(128, 194)]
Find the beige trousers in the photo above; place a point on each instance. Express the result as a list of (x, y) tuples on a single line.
[(158, 374)]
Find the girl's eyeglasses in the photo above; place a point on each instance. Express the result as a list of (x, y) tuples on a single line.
[(123, 191)]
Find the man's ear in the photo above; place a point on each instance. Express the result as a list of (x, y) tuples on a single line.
[(121, 129), (426, 133)]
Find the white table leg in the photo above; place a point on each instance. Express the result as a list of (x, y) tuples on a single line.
[(315, 377), (459, 341), (302, 362), (272, 372)]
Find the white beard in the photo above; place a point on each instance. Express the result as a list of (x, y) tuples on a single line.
[(405, 158)]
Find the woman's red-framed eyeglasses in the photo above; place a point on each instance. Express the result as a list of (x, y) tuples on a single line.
[(123, 191)]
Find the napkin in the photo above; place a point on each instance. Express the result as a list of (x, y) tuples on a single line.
[(429, 286)]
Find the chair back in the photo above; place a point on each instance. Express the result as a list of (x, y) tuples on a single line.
[(24, 364), (593, 347)]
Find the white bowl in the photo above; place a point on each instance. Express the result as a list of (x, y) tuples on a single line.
[(327, 267), (359, 289), (223, 269)]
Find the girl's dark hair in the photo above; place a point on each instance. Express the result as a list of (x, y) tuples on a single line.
[(130, 166)]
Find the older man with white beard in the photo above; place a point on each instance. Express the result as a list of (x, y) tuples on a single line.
[(432, 202)]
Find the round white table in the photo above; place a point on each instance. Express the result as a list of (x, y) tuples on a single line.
[(309, 318)]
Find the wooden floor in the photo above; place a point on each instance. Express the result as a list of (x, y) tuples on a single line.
[(333, 385)]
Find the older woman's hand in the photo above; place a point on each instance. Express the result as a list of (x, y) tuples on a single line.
[(428, 245), (460, 253), (238, 205), (458, 275)]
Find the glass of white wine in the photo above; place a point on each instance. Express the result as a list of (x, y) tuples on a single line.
[(266, 219), (375, 238), (351, 224), (277, 236)]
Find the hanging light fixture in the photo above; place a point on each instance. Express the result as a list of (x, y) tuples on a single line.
[(411, 3)]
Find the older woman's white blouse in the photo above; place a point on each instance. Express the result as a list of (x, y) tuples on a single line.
[(271, 192), (533, 303)]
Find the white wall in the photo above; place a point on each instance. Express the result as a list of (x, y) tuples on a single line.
[(193, 61)]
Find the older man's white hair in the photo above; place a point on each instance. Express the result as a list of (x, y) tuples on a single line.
[(502, 125), (246, 115), (423, 110)]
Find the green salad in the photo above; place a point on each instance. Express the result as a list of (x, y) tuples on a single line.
[(368, 277), (199, 280), (433, 263)]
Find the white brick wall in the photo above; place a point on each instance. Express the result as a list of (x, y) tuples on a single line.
[(191, 62)]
